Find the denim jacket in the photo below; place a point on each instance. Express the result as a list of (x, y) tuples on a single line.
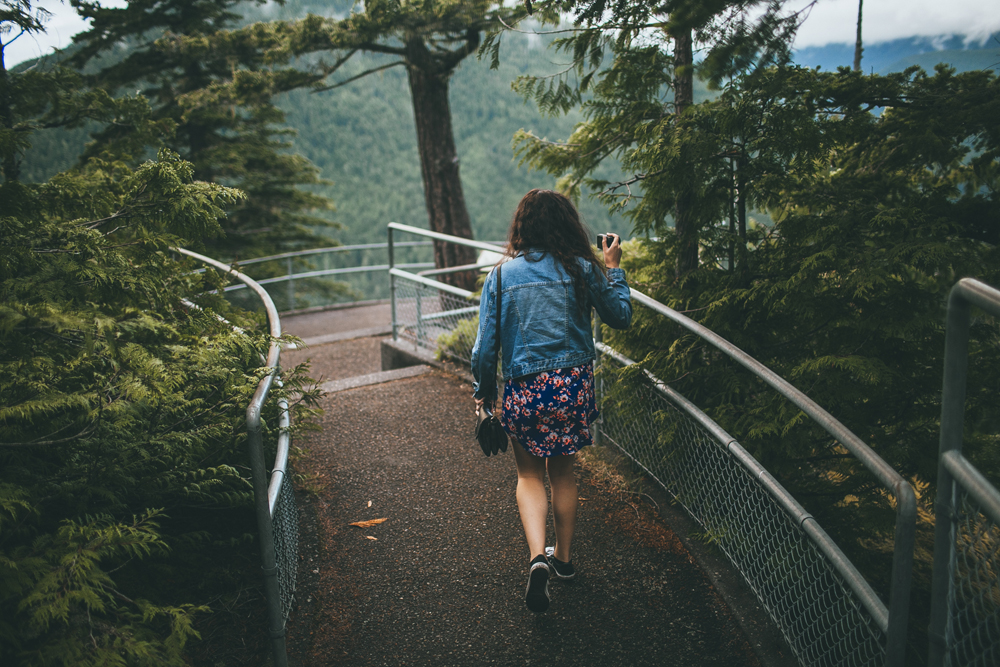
[(541, 326)]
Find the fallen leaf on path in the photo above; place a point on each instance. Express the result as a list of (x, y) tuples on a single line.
[(369, 503), (371, 538), (369, 523)]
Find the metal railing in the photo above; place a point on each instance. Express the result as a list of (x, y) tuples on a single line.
[(438, 316), (274, 502), (965, 594), (817, 598), (303, 266)]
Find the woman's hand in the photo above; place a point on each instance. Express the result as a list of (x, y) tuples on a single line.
[(479, 405), (613, 252)]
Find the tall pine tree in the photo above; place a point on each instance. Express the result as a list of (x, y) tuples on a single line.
[(429, 40), (238, 141)]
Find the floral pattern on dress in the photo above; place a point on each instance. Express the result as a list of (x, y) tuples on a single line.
[(550, 413)]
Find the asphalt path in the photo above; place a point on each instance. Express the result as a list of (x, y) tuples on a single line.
[(441, 581)]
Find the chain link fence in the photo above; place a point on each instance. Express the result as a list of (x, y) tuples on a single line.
[(818, 600), (975, 603), (328, 277), (285, 520), (274, 501), (443, 323), (965, 596), (819, 615)]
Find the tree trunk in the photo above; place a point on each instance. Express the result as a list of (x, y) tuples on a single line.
[(10, 165), (742, 256), (446, 210), (684, 225), (857, 40)]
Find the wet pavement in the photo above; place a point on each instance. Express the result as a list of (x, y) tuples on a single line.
[(441, 580)]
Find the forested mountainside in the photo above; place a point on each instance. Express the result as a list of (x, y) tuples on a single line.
[(362, 138)]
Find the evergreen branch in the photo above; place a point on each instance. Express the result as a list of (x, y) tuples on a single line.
[(357, 76), (33, 443), (337, 65), (97, 223), (380, 48), (607, 27), (629, 182)]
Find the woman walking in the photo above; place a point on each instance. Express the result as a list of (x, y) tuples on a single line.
[(549, 283)]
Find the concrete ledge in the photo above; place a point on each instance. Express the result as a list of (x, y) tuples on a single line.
[(372, 378), (402, 354), (344, 335)]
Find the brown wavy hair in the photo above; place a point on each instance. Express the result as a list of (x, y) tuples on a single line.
[(547, 221)]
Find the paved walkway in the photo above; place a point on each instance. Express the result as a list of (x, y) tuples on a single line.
[(441, 580)]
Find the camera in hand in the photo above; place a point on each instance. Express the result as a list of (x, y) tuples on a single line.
[(611, 240)]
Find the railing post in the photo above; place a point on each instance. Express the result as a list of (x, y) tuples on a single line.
[(265, 531), (956, 364), (290, 286), (392, 288), (902, 574), (420, 316)]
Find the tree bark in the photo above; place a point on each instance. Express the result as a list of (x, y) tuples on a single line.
[(857, 40), (446, 211), (684, 225), (10, 166)]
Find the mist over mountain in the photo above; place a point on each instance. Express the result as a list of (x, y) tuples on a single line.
[(898, 54)]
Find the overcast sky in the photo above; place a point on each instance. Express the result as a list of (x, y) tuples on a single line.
[(829, 22)]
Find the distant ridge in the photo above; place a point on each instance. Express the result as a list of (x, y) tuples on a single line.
[(898, 54)]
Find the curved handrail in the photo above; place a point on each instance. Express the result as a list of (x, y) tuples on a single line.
[(954, 470), (803, 518), (265, 490), (906, 501)]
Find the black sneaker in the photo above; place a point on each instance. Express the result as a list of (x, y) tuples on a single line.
[(536, 597), (563, 571)]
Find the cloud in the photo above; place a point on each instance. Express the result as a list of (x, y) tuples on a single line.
[(59, 31), (835, 21)]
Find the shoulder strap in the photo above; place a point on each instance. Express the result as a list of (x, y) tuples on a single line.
[(499, 297)]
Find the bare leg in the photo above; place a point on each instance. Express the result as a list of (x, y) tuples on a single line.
[(562, 479), (532, 502)]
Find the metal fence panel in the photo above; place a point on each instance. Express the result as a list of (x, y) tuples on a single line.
[(286, 544), (277, 521), (975, 601), (819, 615), (442, 323), (965, 597), (827, 612)]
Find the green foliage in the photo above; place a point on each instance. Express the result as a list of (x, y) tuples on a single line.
[(876, 216), (122, 405), (235, 139), (116, 400), (457, 344)]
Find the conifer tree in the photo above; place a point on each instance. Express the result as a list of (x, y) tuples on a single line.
[(121, 404), (237, 141), (428, 39), (636, 61)]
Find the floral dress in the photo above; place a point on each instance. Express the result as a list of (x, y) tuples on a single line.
[(550, 413)]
